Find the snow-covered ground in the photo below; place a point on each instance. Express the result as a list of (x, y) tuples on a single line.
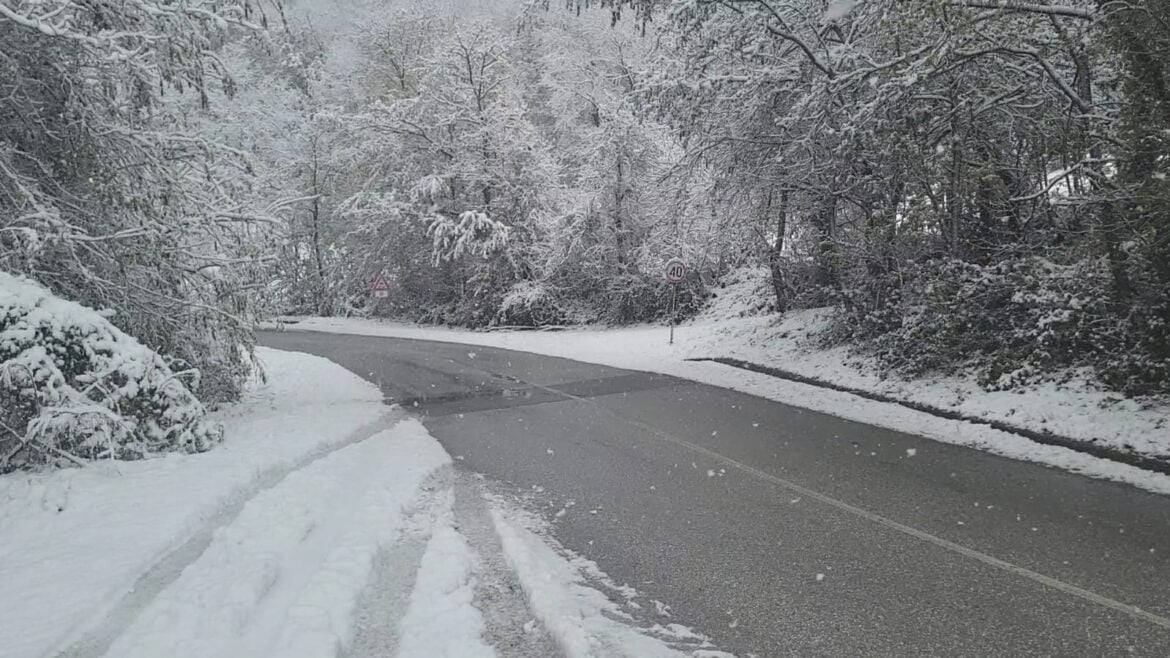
[(75, 541), (271, 544), (731, 327), (1076, 409)]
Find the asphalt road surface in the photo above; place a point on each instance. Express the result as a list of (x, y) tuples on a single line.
[(780, 531)]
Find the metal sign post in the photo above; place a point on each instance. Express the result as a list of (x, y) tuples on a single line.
[(674, 273), (673, 311)]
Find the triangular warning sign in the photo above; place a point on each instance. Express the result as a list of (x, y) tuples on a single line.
[(380, 284)]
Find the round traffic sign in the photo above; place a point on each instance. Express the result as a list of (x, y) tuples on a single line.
[(675, 272)]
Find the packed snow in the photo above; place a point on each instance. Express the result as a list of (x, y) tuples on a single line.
[(77, 540), (282, 579), (265, 545)]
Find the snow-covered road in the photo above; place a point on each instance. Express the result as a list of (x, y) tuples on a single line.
[(327, 525), (773, 529)]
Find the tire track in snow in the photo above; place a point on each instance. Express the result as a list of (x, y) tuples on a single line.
[(511, 626), (284, 578), (442, 618), (456, 509), (384, 601), (97, 641), (321, 622)]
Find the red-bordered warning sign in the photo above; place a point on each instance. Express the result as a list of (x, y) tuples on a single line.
[(381, 287)]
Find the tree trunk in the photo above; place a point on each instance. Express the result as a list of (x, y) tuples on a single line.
[(953, 232), (322, 301), (825, 221), (1109, 221), (619, 224), (776, 252)]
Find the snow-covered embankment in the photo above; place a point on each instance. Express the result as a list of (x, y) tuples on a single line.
[(77, 540)]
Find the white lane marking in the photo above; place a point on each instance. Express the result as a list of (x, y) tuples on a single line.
[(1024, 572)]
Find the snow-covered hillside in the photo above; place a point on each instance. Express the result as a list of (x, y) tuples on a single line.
[(1076, 408)]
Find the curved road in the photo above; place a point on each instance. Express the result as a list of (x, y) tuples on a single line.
[(780, 531)]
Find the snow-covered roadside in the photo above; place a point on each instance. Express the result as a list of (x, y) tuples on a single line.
[(283, 578), (759, 339), (75, 541), (265, 546), (1075, 409)]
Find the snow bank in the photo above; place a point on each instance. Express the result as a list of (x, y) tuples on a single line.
[(746, 292), (1074, 409), (75, 541), (733, 327), (1081, 412), (74, 387)]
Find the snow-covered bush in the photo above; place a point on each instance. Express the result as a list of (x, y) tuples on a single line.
[(75, 387), (1012, 323), (473, 233), (629, 298), (540, 304), (743, 292)]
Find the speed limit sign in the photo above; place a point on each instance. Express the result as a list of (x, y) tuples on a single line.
[(674, 273)]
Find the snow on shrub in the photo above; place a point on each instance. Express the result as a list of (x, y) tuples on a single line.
[(531, 304), (75, 387), (541, 304), (743, 292), (1011, 323)]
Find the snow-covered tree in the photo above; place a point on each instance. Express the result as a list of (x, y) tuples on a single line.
[(884, 140), (109, 191)]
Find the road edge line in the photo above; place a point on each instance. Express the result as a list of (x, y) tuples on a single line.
[(1043, 437)]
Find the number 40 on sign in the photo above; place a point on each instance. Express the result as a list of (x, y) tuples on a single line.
[(674, 273)]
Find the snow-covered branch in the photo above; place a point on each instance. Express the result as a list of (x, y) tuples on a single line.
[(1085, 13)]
